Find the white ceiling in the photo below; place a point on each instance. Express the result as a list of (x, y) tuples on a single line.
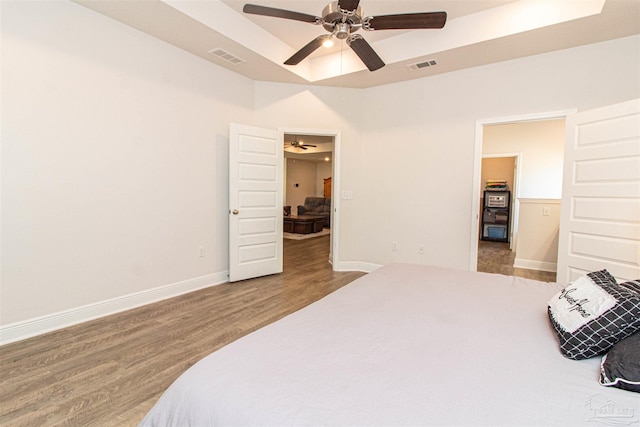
[(477, 32)]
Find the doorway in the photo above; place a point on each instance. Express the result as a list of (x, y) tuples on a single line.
[(311, 157), (537, 185)]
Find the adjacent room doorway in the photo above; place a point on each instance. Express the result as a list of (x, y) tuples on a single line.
[(536, 164), (256, 181), (306, 171)]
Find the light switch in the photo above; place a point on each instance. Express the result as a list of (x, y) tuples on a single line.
[(546, 211), (347, 195)]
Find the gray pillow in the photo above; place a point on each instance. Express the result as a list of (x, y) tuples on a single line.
[(621, 366), (632, 285)]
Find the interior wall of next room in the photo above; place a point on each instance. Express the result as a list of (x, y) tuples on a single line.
[(497, 168), (301, 182)]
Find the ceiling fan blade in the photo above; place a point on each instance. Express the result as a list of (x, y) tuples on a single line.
[(349, 5), (306, 50), (406, 21), (365, 52), (255, 9)]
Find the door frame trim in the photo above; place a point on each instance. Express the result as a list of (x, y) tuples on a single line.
[(334, 250), (477, 168)]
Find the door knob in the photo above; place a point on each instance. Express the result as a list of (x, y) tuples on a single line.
[(235, 212)]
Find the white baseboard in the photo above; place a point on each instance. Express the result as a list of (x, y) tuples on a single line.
[(535, 265), (365, 267), (40, 325)]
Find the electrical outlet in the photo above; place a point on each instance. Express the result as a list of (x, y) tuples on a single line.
[(201, 251), (394, 246), (546, 211), (421, 249)]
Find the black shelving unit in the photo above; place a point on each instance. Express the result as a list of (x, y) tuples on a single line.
[(496, 215)]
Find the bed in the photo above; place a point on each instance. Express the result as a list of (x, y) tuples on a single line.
[(406, 345)]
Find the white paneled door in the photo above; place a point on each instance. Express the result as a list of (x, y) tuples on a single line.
[(255, 202), (600, 217)]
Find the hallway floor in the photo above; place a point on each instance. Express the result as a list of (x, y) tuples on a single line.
[(496, 257)]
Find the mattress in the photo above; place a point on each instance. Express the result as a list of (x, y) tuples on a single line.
[(406, 345)]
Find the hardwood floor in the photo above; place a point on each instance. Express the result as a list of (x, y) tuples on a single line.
[(109, 372), (496, 257)]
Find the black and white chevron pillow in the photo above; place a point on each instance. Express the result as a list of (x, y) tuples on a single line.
[(592, 313)]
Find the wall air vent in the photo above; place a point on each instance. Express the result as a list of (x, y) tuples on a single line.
[(226, 56), (424, 64)]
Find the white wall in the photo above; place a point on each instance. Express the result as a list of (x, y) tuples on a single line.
[(416, 149), (418, 145), (537, 245), (541, 148), (114, 164), (408, 148)]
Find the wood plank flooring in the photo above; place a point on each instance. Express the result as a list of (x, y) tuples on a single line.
[(109, 372), (496, 257)]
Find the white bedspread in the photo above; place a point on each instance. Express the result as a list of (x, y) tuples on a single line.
[(404, 345)]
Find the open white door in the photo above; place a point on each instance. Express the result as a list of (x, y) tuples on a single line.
[(255, 202), (600, 216)]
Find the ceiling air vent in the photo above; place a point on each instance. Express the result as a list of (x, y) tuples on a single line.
[(424, 64), (226, 56)]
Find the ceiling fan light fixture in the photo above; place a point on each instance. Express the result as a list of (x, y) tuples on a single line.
[(328, 42), (342, 31)]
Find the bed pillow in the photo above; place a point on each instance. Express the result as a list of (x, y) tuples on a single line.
[(621, 366), (632, 286), (592, 313)]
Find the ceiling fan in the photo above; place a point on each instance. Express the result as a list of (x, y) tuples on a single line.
[(342, 18), (299, 144)]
